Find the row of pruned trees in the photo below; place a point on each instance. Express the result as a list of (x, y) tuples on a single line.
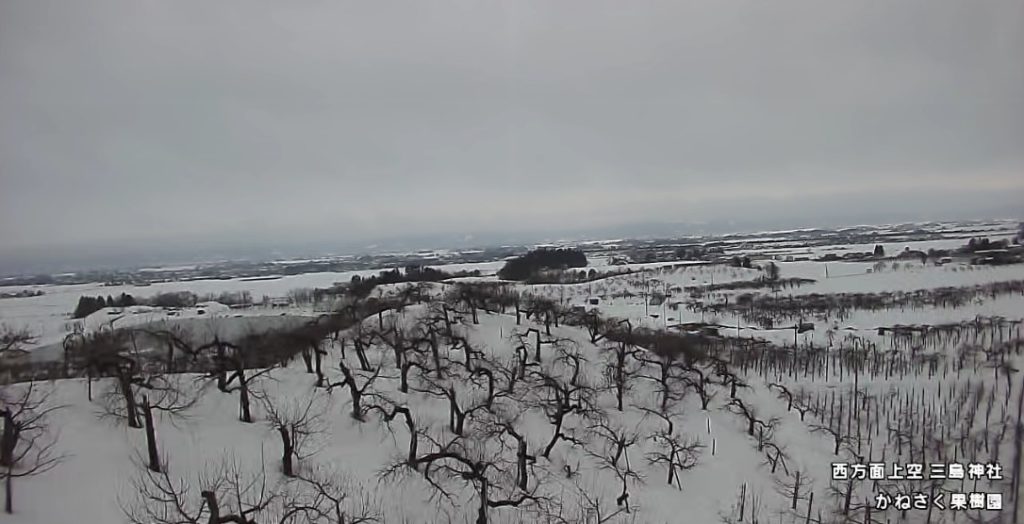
[(485, 446)]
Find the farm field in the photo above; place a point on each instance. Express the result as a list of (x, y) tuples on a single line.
[(672, 389)]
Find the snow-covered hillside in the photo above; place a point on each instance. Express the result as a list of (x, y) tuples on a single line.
[(513, 406)]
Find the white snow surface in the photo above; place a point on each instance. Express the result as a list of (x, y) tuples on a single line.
[(94, 481)]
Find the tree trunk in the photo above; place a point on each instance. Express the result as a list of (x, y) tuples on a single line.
[(796, 490), (8, 441), (456, 418), (307, 358), (846, 500), (147, 416), (288, 453), (357, 397), (245, 413), (319, 360), (447, 321), (131, 408), (620, 375), (403, 386), (361, 355), (222, 372), (435, 351), (353, 389), (211, 504), (481, 515), (170, 357), (9, 492), (664, 388), (554, 438), (414, 443), (521, 457)]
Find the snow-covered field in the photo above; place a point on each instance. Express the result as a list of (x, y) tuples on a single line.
[(751, 426), (48, 315)]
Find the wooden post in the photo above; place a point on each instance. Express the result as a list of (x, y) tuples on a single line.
[(796, 490), (810, 504), (743, 500)]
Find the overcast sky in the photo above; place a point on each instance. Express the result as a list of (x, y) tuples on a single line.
[(149, 121)]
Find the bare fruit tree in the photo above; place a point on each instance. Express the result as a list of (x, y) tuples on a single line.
[(356, 390), (28, 445), (751, 415), (298, 422), (239, 367), (588, 504), (466, 463), (389, 411), (14, 340), (139, 390), (222, 494), (326, 496), (227, 493), (675, 452), (611, 450), (558, 400), (621, 369)]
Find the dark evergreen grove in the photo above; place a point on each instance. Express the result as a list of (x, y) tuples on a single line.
[(523, 267), (89, 305)]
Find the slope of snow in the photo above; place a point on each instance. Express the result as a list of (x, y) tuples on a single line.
[(95, 449)]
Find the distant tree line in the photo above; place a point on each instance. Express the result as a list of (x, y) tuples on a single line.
[(526, 266), (25, 293), (698, 252), (228, 298), (172, 299), (89, 305), (361, 287), (983, 244), (571, 277), (877, 253)]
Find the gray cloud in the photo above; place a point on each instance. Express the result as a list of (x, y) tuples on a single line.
[(144, 121)]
